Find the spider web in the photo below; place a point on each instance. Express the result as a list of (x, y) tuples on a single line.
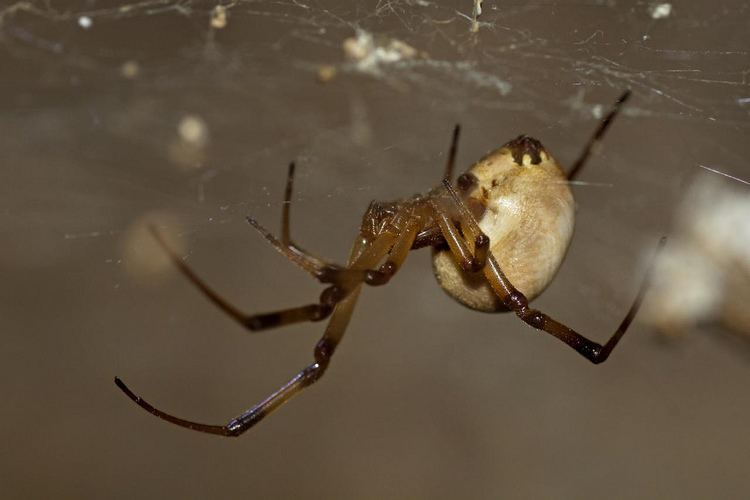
[(318, 81), (185, 114)]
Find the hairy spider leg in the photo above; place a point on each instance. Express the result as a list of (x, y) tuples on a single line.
[(598, 135), (364, 254), (515, 301), (343, 279), (334, 294), (323, 271), (320, 269)]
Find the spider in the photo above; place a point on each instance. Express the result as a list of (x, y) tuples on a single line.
[(497, 236)]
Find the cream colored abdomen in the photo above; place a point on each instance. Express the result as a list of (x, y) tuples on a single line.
[(529, 218)]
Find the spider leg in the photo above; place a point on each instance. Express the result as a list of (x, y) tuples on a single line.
[(598, 135), (470, 247), (286, 239), (323, 271), (517, 302), (429, 237), (364, 254), (433, 236), (451, 160), (514, 300), (307, 376), (342, 279), (312, 312), (469, 225), (334, 294), (254, 322)]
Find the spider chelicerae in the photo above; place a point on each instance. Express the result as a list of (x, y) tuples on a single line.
[(498, 237)]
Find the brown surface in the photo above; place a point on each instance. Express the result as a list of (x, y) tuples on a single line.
[(424, 399)]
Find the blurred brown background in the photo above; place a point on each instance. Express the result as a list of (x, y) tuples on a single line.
[(113, 114)]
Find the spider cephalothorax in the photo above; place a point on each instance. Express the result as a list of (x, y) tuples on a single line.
[(498, 237)]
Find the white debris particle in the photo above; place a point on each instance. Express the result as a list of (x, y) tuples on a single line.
[(475, 13), (188, 149), (703, 275), (477, 9), (660, 10), (130, 69), (85, 22), (326, 73), (370, 53), (193, 130), (219, 17)]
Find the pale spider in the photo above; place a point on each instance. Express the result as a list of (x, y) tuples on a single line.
[(498, 238)]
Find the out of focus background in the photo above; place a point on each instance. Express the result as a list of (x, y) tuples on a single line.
[(185, 113)]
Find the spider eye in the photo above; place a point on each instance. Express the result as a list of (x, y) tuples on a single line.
[(526, 150)]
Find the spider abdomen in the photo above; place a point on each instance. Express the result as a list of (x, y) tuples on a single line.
[(528, 215)]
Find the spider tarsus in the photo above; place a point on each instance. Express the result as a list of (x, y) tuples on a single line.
[(124, 388), (255, 224), (451, 159), (160, 240)]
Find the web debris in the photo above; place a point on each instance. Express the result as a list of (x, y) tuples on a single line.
[(711, 238)]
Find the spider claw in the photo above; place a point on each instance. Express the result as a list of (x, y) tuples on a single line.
[(255, 224), (124, 388), (266, 234)]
